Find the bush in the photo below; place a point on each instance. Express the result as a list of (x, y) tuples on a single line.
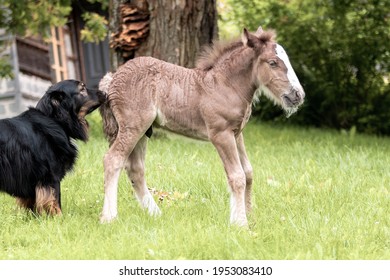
[(339, 52)]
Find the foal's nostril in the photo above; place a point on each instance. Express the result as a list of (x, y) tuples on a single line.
[(299, 93), (287, 100), (294, 93), (293, 98)]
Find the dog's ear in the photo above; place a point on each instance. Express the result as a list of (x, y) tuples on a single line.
[(56, 98), (50, 101)]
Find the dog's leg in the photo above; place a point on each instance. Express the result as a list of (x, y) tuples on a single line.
[(27, 203), (45, 200), (135, 168), (247, 167), (57, 193), (226, 145)]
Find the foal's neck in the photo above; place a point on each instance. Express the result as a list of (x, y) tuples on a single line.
[(237, 68)]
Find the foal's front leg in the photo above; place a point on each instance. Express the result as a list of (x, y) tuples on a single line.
[(226, 145), (248, 170)]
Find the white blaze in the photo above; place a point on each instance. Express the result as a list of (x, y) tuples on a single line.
[(292, 77)]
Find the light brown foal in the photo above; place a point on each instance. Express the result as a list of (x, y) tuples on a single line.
[(210, 102)]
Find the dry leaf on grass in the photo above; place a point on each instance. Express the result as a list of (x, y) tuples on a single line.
[(169, 197)]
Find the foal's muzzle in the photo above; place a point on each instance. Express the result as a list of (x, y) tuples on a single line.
[(294, 98)]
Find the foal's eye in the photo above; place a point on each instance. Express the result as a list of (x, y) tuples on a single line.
[(272, 63)]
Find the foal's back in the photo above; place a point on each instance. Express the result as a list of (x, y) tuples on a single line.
[(147, 88)]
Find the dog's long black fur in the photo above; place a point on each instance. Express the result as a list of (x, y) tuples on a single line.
[(36, 148)]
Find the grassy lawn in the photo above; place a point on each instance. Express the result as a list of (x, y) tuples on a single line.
[(317, 195)]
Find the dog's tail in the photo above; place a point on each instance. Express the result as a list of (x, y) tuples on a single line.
[(110, 126)]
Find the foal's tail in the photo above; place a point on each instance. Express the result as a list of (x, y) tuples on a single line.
[(110, 126)]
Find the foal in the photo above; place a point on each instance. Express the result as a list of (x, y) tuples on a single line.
[(210, 102)]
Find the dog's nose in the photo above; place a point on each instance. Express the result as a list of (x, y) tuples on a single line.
[(102, 96)]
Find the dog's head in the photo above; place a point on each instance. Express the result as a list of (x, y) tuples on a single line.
[(68, 102)]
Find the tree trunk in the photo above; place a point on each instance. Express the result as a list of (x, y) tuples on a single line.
[(175, 29)]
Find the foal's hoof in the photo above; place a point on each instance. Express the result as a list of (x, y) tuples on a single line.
[(154, 212), (105, 219), (240, 223)]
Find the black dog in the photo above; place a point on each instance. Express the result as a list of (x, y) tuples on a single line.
[(36, 148)]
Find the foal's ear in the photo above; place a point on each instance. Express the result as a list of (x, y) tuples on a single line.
[(244, 37), (258, 32), (247, 38)]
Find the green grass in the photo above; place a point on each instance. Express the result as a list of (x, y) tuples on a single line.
[(317, 194)]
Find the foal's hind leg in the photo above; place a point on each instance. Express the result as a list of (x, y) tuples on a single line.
[(135, 168), (247, 167), (114, 161)]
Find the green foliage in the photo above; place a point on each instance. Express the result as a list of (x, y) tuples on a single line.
[(306, 205), (36, 17), (95, 29), (5, 68), (103, 3), (339, 50)]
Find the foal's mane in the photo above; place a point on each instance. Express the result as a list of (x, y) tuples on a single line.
[(211, 54)]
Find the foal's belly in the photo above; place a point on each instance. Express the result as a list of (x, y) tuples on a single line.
[(184, 122)]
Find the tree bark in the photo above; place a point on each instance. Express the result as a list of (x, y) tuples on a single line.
[(177, 29)]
